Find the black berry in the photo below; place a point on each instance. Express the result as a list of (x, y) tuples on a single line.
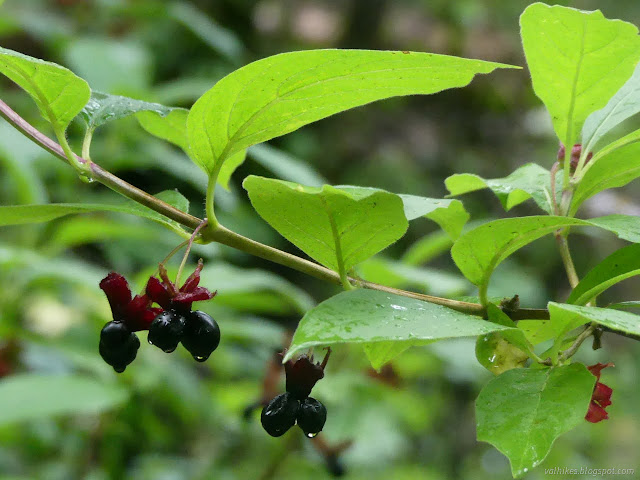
[(201, 335), (334, 465), (165, 332), (119, 356), (311, 416), (114, 334), (280, 414)]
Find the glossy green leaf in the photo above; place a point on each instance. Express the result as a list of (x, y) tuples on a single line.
[(172, 127), (24, 214), (523, 411), (616, 169), (32, 396), (449, 214), (279, 94), (624, 104), (103, 108), (614, 319), (528, 181), (622, 264), (478, 252), (58, 92), (333, 226), (577, 60), (169, 125), (370, 317)]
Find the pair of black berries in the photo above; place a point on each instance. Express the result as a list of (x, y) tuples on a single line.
[(295, 405), (197, 331), (285, 410)]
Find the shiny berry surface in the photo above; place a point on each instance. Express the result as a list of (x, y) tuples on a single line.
[(121, 355), (201, 335), (114, 334), (311, 416), (280, 414), (165, 332)]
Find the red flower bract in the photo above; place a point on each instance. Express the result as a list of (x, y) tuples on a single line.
[(303, 374), (601, 397), (137, 313), (169, 297)]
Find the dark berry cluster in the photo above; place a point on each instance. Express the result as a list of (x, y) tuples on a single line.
[(197, 331), (172, 323), (295, 405)]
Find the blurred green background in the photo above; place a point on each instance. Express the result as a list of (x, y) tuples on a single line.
[(64, 414)]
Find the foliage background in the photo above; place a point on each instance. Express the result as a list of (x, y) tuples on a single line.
[(174, 419)]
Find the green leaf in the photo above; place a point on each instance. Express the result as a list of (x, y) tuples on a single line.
[(372, 317), (622, 264), (479, 251), (172, 127), (450, 215), (523, 411), (32, 396), (624, 104), (169, 125), (58, 92), (616, 169), (335, 227), (25, 214), (577, 60), (103, 108), (279, 94), (614, 319), (528, 181)]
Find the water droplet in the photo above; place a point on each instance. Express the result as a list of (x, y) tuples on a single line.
[(199, 358), (169, 350), (311, 435), (150, 342)]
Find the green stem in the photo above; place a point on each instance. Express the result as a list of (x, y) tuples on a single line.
[(71, 157), (209, 202), (344, 279), (569, 352), (570, 268), (86, 143)]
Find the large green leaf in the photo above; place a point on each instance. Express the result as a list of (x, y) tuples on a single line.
[(279, 94), (449, 214), (103, 108), (622, 264), (337, 228), (58, 92), (171, 126), (387, 324), (32, 396), (616, 169), (24, 214), (614, 319), (528, 181), (577, 60), (624, 104), (478, 252), (523, 411)]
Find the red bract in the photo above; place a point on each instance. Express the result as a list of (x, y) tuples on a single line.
[(303, 374), (168, 296), (137, 313), (601, 397)]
